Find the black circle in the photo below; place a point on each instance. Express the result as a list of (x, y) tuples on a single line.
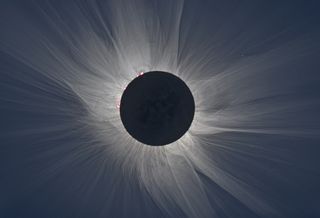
[(157, 108)]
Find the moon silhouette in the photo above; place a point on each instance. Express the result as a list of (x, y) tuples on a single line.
[(157, 108)]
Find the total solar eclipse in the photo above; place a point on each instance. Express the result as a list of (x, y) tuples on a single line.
[(157, 108)]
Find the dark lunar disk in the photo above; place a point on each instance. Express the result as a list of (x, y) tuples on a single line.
[(157, 108)]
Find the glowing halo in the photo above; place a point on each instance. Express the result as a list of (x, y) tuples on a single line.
[(77, 65)]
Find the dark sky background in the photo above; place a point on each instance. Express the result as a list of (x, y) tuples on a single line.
[(38, 134)]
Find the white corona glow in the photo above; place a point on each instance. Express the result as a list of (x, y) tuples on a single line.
[(97, 66)]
